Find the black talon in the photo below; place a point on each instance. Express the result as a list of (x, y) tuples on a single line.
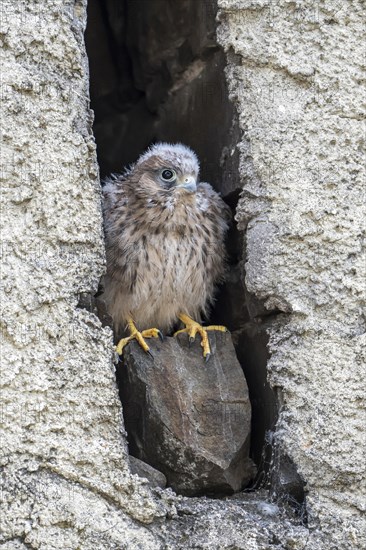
[(161, 336), (149, 352), (207, 357), (191, 340)]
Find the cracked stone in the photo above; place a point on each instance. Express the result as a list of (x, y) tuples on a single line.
[(187, 418)]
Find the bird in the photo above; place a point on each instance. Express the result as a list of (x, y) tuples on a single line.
[(165, 246)]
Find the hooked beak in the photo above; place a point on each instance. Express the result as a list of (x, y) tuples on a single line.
[(189, 184)]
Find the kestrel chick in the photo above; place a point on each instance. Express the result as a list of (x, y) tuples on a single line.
[(165, 235)]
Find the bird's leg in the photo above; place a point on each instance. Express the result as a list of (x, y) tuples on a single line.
[(139, 336), (192, 327)]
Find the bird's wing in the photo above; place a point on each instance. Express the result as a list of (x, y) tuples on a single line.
[(215, 203)]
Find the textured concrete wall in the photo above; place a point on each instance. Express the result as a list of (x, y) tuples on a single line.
[(65, 476), (65, 480), (296, 81)]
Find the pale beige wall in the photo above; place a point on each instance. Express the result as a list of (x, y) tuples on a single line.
[(296, 81)]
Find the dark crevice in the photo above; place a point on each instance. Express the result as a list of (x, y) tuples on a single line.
[(157, 74)]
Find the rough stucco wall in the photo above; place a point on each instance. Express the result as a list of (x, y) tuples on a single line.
[(296, 80), (65, 475), (63, 452)]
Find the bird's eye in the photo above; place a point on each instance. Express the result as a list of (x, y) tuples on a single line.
[(168, 175)]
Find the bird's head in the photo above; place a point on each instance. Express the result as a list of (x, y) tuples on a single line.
[(168, 167)]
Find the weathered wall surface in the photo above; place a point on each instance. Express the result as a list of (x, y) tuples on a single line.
[(296, 81), (65, 475), (65, 480)]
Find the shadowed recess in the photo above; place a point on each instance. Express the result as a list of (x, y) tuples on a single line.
[(157, 74)]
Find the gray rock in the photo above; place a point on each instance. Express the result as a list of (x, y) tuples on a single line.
[(187, 418), (155, 478)]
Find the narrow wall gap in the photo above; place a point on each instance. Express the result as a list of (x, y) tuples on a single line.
[(157, 73)]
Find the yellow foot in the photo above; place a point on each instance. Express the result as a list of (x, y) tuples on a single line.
[(192, 327), (139, 336)]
